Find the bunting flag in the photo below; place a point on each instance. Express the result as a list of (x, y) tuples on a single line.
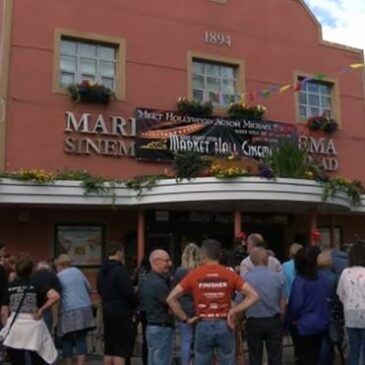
[(296, 87), (320, 76), (274, 88), (285, 88), (242, 99), (354, 66), (265, 93)]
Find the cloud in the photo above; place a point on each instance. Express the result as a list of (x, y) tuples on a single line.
[(343, 21)]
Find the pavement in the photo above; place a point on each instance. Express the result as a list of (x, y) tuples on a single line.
[(288, 358)]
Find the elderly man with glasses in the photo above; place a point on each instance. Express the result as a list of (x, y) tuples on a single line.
[(160, 322)]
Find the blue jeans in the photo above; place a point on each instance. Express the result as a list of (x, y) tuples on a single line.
[(186, 335), (71, 340), (159, 342), (48, 319), (327, 356), (214, 336), (357, 345)]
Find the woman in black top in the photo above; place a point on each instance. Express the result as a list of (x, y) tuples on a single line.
[(27, 301)]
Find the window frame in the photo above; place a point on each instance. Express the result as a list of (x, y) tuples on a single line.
[(97, 59), (214, 59), (334, 94), (218, 77), (120, 61)]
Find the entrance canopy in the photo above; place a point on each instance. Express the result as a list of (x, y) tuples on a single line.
[(246, 194)]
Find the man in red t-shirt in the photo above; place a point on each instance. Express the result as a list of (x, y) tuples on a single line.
[(212, 286)]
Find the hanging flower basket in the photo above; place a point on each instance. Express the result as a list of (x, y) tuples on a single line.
[(194, 108), (90, 92), (322, 123), (245, 111)]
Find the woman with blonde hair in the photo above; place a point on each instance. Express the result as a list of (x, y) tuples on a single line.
[(76, 316), (190, 260)]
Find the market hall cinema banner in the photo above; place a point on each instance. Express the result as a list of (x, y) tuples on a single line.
[(161, 134)]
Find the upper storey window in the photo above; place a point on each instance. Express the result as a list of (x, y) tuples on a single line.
[(212, 81), (81, 60), (315, 98)]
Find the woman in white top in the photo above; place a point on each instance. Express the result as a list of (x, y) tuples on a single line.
[(351, 291)]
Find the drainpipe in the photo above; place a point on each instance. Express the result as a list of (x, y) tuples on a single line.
[(140, 236), (237, 222)]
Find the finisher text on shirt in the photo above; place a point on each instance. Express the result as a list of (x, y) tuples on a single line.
[(212, 287)]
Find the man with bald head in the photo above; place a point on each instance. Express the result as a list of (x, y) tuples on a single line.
[(256, 240), (264, 319), (160, 322)]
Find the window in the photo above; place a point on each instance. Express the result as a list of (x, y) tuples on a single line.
[(315, 98), (216, 82), (78, 56), (81, 60)]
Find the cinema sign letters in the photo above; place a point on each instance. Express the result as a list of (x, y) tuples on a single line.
[(322, 149), (86, 135), (158, 135)]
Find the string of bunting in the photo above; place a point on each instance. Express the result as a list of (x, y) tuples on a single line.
[(296, 87)]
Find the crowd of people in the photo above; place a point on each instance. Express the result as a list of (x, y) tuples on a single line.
[(217, 299)]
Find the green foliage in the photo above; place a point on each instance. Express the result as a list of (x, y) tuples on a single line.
[(194, 108), (94, 184), (288, 160), (353, 189), (322, 123), (140, 183), (90, 92), (245, 111), (188, 165), (72, 175)]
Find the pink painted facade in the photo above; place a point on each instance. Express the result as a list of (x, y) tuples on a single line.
[(275, 41)]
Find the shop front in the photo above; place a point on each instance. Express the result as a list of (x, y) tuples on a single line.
[(58, 217)]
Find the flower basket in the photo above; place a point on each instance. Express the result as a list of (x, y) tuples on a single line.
[(245, 111), (90, 92), (330, 126), (194, 108), (322, 123), (231, 168)]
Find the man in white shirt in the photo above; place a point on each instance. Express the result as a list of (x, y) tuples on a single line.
[(256, 240)]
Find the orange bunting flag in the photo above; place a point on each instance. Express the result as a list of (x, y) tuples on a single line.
[(285, 88), (357, 65)]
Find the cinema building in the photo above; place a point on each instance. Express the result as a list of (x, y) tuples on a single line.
[(150, 53)]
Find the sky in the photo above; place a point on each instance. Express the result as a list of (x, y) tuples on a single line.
[(343, 21)]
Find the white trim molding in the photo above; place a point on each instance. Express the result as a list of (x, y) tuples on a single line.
[(201, 193)]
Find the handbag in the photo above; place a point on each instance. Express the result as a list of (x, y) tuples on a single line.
[(3, 354)]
